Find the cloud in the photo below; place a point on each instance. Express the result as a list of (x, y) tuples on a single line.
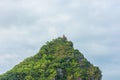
[(111, 70), (93, 26), (8, 60), (60, 18), (5, 58)]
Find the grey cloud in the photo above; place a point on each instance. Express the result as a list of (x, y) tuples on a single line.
[(93, 26), (19, 18)]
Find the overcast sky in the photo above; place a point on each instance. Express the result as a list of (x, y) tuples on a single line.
[(92, 25)]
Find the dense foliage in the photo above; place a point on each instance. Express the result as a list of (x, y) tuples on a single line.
[(56, 60)]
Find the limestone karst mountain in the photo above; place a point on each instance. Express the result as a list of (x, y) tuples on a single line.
[(56, 60)]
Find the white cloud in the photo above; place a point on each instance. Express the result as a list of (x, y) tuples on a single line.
[(111, 70), (12, 33), (4, 58), (60, 18), (93, 26), (52, 31), (98, 49)]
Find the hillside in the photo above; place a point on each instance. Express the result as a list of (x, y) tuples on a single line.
[(56, 60)]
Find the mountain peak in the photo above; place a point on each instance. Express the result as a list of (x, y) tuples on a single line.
[(56, 60), (64, 37)]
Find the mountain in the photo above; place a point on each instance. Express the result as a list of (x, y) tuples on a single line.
[(56, 60)]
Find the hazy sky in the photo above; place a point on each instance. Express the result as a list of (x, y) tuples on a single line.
[(92, 25)]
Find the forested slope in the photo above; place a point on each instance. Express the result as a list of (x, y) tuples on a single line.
[(56, 60)]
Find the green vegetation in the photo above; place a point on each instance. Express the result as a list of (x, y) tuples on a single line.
[(56, 60)]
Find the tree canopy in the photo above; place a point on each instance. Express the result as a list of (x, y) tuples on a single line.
[(56, 60)]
